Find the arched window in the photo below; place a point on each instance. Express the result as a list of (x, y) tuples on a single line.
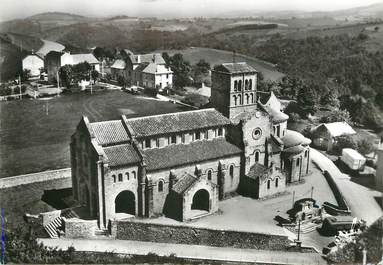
[(239, 99), (235, 85), (306, 153), (127, 175), (114, 178), (231, 170), (235, 100), (298, 162), (240, 85), (247, 98), (134, 174), (276, 182), (209, 173), (160, 186), (256, 157), (251, 84), (251, 97), (120, 177), (268, 184), (246, 84)]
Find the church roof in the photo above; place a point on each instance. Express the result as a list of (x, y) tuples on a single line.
[(177, 122), (257, 170), (182, 154), (109, 132), (294, 150), (235, 68), (120, 155), (293, 138), (185, 182)]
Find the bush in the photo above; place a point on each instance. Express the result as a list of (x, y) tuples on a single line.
[(342, 142), (294, 117), (336, 116), (365, 146)]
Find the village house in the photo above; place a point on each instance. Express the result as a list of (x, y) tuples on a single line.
[(54, 60), (182, 164), (34, 63), (324, 136)]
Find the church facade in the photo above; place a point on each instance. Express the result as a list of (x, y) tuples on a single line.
[(182, 164)]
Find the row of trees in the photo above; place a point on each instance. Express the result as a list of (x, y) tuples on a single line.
[(73, 74)]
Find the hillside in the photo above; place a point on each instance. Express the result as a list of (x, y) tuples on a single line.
[(11, 56)]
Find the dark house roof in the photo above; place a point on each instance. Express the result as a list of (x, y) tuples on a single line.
[(177, 155), (120, 155), (185, 182), (177, 122), (109, 132), (235, 68), (147, 58)]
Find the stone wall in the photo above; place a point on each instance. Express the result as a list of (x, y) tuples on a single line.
[(77, 228), (133, 230), (9, 182)]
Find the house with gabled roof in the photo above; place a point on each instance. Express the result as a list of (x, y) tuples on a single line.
[(182, 164), (325, 135), (34, 63)]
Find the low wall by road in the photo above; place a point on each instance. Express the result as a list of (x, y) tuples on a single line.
[(9, 182), (139, 231), (78, 228)]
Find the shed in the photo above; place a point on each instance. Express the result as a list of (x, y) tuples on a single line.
[(353, 159), (324, 135)]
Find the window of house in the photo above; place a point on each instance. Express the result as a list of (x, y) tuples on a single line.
[(134, 174), (114, 178), (183, 138), (160, 186), (173, 139), (276, 182), (167, 76), (231, 171), (198, 135), (120, 177), (147, 143), (127, 175), (268, 184), (158, 142), (220, 131), (209, 173), (206, 134)]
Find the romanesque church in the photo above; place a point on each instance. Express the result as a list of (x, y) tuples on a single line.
[(182, 164)]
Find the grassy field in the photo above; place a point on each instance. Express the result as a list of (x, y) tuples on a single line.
[(213, 56), (32, 140)]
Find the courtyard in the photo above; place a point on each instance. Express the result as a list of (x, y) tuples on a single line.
[(35, 134), (249, 215)]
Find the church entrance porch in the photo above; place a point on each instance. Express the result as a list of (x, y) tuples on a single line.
[(125, 203), (201, 200)]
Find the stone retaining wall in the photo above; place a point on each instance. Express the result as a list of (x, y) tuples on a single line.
[(9, 182), (78, 228), (133, 230)]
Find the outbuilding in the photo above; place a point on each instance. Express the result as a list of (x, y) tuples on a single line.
[(353, 159)]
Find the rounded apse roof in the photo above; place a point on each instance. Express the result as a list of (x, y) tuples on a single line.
[(293, 138)]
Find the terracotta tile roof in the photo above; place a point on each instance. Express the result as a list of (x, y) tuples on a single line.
[(257, 170), (120, 155), (182, 154), (177, 122), (184, 183), (109, 132), (235, 68)]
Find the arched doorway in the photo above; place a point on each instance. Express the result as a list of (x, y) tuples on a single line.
[(201, 200), (125, 202)]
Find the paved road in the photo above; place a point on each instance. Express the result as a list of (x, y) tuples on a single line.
[(360, 199), (186, 251)]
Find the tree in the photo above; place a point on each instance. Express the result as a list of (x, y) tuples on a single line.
[(342, 142), (180, 68), (335, 116), (66, 75), (365, 146), (331, 100), (307, 101), (25, 75)]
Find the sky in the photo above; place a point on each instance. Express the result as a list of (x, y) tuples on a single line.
[(11, 9)]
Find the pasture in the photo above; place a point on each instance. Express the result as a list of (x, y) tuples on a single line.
[(213, 56), (35, 134)]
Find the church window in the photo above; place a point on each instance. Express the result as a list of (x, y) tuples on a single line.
[(276, 182), (306, 153), (239, 99), (127, 175), (257, 133), (160, 186), (235, 100), (209, 173), (246, 84), (120, 177), (220, 131), (134, 174), (268, 184), (250, 84), (298, 162), (251, 97), (256, 156), (247, 98), (240, 85), (114, 178), (173, 139), (235, 85), (147, 143)]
